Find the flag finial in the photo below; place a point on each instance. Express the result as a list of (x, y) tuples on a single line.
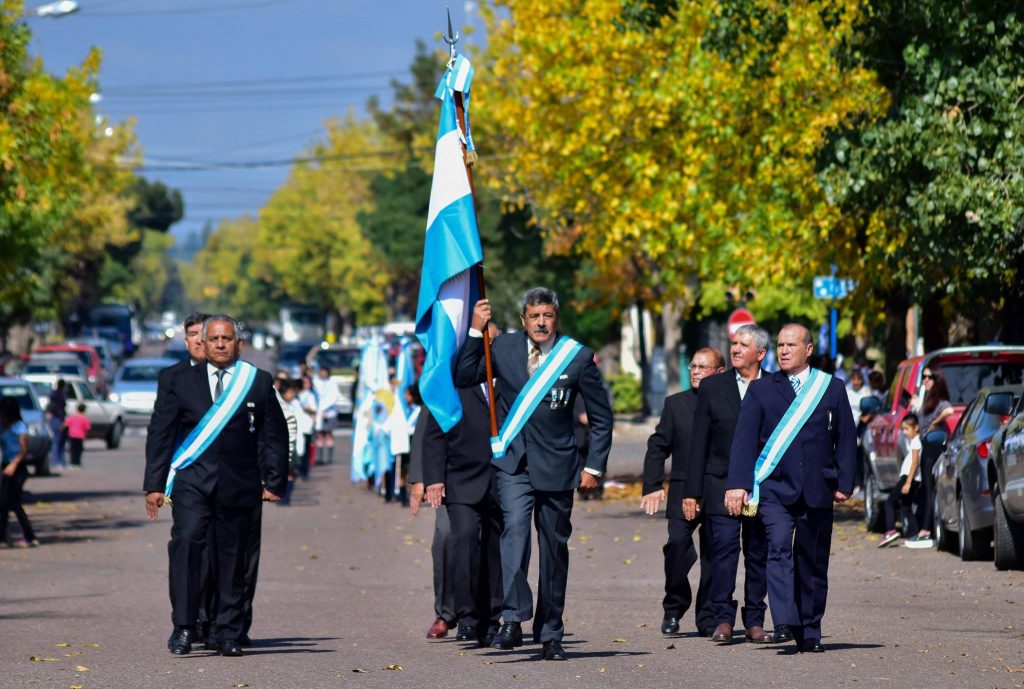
[(452, 37)]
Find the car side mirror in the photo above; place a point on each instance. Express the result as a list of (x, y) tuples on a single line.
[(999, 404)]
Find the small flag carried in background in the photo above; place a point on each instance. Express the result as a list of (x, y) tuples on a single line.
[(448, 288)]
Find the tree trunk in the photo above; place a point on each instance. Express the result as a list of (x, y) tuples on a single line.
[(672, 333), (896, 305), (933, 326)]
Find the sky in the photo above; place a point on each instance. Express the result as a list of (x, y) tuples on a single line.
[(238, 82)]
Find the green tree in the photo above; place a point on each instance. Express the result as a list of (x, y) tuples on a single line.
[(934, 186)]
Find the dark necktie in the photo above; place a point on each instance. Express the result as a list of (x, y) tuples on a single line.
[(533, 363), (219, 389)]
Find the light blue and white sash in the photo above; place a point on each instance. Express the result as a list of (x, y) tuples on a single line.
[(800, 409), (533, 392), (213, 422)]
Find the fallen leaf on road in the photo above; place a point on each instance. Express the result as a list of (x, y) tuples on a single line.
[(601, 670), (75, 686), (670, 647), (91, 645), (392, 666), (641, 625), (359, 669), (462, 653), (81, 668), (618, 641), (628, 561), (639, 664), (42, 659), (637, 538), (63, 645), (239, 685)]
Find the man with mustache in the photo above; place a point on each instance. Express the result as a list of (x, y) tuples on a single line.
[(540, 372), (794, 475)]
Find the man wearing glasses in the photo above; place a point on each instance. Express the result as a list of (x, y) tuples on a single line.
[(672, 436), (714, 424)]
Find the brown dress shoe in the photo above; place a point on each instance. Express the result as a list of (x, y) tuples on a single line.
[(723, 633), (757, 635), (438, 630)]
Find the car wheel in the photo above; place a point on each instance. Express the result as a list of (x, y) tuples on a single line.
[(114, 435), (973, 545), (43, 464), (1009, 539), (873, 514), (944, 538)]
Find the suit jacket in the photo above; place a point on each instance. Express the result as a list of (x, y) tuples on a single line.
[(160, 446), (415, 474), (547, 441), (671, 437), (822, 457), (714, 425), (240, 462), (461, 458)]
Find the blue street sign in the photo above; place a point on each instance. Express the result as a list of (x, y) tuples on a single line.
[(829, 287)]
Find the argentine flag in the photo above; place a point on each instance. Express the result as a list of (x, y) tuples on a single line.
[(448, 288)]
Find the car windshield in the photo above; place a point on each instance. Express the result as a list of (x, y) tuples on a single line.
[(965, 379), (69, 368), (140, 373), (22, 393), (338, 359)]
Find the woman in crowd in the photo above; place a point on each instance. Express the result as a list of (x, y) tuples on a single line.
[(934, 410)]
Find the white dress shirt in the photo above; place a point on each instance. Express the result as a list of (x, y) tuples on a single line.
[(742, 384), (211, 373)]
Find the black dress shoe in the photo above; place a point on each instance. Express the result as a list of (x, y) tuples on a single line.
[(510, 636), (553, 651), (180, 642), (244, 641), (487, 640), (229, 647), (670, 625), (705, 632), (812, 646), (782, 634), (466, 633)]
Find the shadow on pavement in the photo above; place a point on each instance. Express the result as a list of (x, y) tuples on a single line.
[(32, 496), (534, 654), (790, 649)]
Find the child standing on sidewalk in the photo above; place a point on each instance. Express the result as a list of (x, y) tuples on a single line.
[(78, 426), (906, 488)]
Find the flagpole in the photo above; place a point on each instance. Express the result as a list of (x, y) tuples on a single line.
[(460, 114)]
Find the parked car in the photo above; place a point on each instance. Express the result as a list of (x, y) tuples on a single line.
[(57, 364), (90, 359), (967, 370), (106, 417), (963, 495), (1006, 472), (134, 386), (176, 351), (343, 362), (33, 416), (105, 351)]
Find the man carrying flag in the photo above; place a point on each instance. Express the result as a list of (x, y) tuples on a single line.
[(540, 372)]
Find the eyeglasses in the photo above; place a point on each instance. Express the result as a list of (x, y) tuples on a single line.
[(928, 376), (696, 367)]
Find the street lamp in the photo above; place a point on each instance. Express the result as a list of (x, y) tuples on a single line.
[(53, 9)]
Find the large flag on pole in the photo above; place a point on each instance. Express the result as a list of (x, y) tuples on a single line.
[(452, 247)]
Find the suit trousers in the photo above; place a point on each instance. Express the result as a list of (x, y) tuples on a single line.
[(551, 512), (476, 570), (729, 535), (799, 538), (442, 553), (193, 513), (252, 566), (680, 556)]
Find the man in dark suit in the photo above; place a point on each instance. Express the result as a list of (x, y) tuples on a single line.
[(816, 469), (457, 468), (246, 462), (714, 425), (542, 466), (672, 437), (193, 331)]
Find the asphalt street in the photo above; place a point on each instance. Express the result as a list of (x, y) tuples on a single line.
[(344, 600)]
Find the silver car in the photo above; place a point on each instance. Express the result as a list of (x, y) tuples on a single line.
[(135, 384)]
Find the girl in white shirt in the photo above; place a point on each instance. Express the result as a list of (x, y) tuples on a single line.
[(904, 491)]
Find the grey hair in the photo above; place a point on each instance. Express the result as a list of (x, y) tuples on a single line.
[(538, 296), (761, 336), (222, 318)]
